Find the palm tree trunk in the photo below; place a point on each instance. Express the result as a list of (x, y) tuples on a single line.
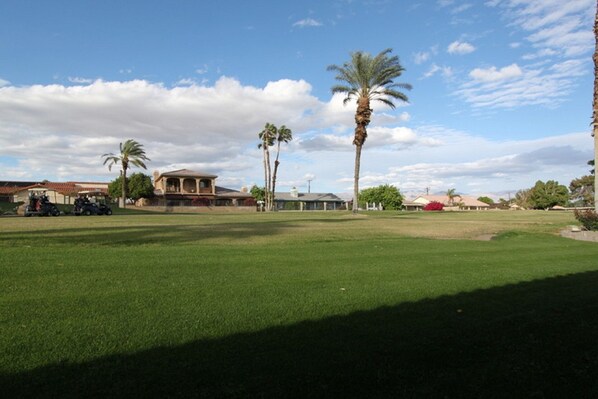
[(268, 182), (265, 179), (595, 110), (362, 120), (276, 163), (356, 179), (122, 200)]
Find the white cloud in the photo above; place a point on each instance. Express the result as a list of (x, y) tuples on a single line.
[(564, 27), (421, 57), (446, 72), (458, 47), (512, 86), (79, 80), (307, 22), (445, 3), (185, 82), (59, 132), (461, 8), (202, 71), (492, 74), (4, 82)]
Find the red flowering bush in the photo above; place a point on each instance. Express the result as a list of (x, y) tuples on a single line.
[(434, 206)]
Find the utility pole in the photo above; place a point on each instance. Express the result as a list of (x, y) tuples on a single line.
[(309, 185)]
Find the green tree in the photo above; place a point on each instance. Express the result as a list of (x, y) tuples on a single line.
[(546, 195), (365, 79), (115, 188), (582, 190), (389, 196), (131, 153), (259, 193), (486, 200), (140, 186)]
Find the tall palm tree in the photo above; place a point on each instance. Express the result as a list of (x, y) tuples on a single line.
[(283, 135), (366, 78), (595, 108), (267, 137), (131, 153)]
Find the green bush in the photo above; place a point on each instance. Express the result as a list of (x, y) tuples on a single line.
[(588, 218)]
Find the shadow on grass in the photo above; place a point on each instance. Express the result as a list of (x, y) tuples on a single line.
[(144, 234), (536, 339), (156, 234)]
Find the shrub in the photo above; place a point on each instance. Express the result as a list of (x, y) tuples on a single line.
[(434, 206), (588, 218), (199, 201)]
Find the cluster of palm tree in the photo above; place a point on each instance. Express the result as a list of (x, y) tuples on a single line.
[(272, 136), (131, 153)]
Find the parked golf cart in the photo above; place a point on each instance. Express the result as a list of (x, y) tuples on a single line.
[(40, 205), (91, 203)]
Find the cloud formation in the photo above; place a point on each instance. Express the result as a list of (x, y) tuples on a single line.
[(458, 47), (307, 22)]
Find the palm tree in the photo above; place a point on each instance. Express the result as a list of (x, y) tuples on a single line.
[(131, 153), (367, 79), (595, 108), (452, 194), (283, 135), (267, 137)]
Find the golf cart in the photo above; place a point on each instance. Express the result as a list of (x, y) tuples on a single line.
[(91, 203), (40, 205)]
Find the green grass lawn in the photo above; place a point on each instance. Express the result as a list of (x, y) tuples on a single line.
[(297, 305)]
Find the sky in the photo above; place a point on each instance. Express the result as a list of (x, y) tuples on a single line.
[(501, 97)]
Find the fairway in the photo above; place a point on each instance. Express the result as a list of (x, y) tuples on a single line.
[(379, 304)]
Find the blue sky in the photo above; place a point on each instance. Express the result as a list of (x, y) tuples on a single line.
[(501, 97)]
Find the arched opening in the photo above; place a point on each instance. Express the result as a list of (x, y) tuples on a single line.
[(189, 185), (205, 186), (173, 186)]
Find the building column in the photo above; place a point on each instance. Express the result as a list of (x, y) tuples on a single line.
[(181, 184), (197, 185)]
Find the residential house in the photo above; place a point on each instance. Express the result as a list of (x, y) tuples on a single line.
[(186, 187), (462, 202), (294, 200)]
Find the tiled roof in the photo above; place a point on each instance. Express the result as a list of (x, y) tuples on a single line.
[(187, 173), (460, 199), (60, 187), (311, 197), (227, 192)]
